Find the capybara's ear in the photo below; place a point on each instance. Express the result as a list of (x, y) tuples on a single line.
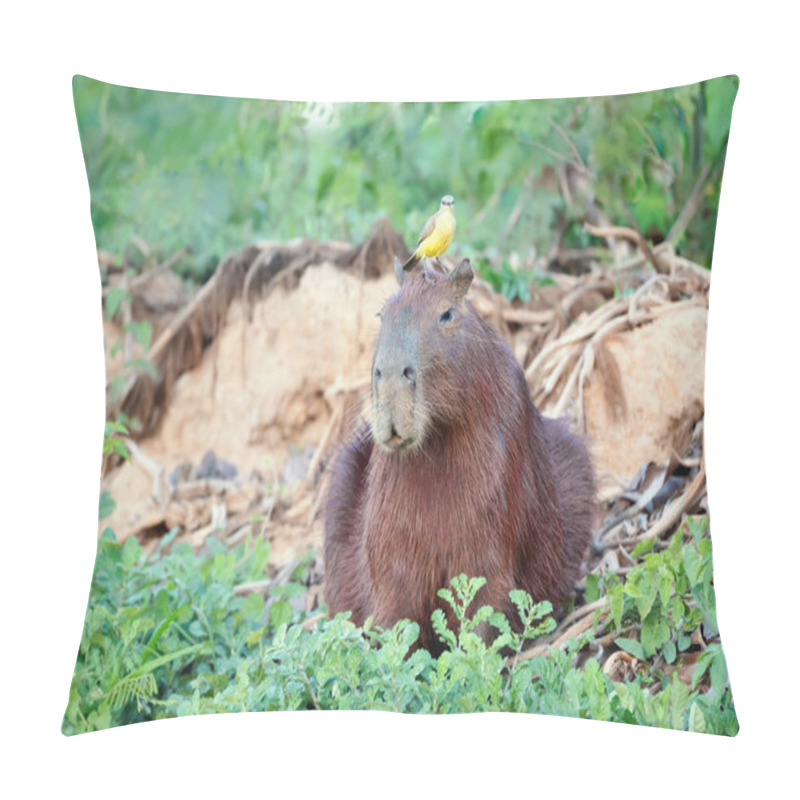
[(399, 272), (461, 278)]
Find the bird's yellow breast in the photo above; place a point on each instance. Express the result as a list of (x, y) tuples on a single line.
[(440, 237)]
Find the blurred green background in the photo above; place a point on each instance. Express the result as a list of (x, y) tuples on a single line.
[(213, 174)]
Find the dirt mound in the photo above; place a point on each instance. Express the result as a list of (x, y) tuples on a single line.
[(657, 395), (248, 275), (258, 390)]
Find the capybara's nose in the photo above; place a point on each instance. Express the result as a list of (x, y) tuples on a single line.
[(407, 371)]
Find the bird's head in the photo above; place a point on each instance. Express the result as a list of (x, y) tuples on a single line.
[(447, 201)]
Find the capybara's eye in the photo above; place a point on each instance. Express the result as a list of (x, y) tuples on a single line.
[(446, 316)]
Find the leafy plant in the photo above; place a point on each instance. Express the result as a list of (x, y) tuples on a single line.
[(669, 595), (117, 301), (113, 445), (511, 283), (155, 623), (168, 635), (667, 598)]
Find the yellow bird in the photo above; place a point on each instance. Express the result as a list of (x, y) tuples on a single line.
[(436, 236)]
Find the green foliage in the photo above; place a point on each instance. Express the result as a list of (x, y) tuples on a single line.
[(167, 635), (113, 444), (115, 299), (508, 281), (106, 506), (159, 627), (140, 331), (670, 595), (214, 173), (667, 598)]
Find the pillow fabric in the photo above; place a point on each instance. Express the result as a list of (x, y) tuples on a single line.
[(404, 407)]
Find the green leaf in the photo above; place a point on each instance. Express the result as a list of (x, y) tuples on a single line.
[(719, 670), (675, 545), (131, 552), (666, 587), (107, 505), (165, 659), (650, 210), (144, 365), (149, 649), (697, 722), (655, 632), (254, 637), (692, 563), (120, 448), (720, 94), (697, 527), (631, 646), (648, 590), (114, 299), (679, 697), (703, 663), (644, 546), (617, 606), (447, 596), (280, 613), (117, 386), (325, 181), (592, 590), (100, 720), (253, 608), (142, 332), (500, 621)]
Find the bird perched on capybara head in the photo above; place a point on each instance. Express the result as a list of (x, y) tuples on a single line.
[(456, 473)]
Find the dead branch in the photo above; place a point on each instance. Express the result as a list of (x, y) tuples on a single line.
[(144, 277), (523, 316), (675, 508), (252, 587), (644, 245), (152, 468), (672, 512), (655, 155), (579, 166), (578, 161), (629, 234), (634, 509), (311, 622), (690, 208)]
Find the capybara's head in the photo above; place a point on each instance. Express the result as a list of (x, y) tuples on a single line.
[(422, 356)]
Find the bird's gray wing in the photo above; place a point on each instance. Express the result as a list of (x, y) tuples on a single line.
[(428, 229)]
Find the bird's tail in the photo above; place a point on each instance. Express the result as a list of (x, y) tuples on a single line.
[(411, 261)]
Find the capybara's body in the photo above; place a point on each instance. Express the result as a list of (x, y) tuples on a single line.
[(457, 472)]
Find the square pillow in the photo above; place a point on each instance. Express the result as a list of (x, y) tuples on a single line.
[(405, 407)]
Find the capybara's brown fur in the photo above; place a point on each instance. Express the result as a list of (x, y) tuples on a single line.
[(457, 472)]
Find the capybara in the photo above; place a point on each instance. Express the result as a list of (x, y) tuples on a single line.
[(456, 473)]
